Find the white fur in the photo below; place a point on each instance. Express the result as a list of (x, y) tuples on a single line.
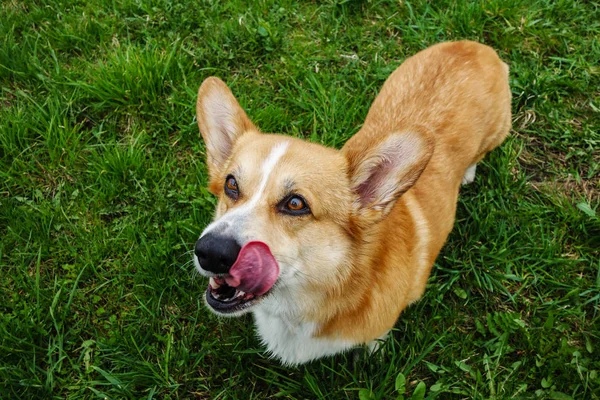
[(291, 341), (469, 175)]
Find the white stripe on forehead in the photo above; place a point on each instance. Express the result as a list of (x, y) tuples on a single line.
[(276, 153), (267, 168)]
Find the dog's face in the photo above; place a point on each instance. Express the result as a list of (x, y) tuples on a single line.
[(288, 195), (286, 209)]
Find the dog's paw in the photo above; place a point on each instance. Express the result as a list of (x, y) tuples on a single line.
[(370, 349), (374, 346), (469, 175)]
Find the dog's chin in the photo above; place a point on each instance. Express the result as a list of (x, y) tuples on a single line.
[(228, 301)]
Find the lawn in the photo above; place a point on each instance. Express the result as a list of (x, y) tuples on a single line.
[(102, 195)]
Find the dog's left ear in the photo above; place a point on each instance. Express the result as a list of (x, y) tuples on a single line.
[(221, 120), (382, 173)]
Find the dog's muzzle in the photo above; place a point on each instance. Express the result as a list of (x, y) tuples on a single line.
[(239, 276)]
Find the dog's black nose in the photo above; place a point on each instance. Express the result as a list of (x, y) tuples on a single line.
[(216, 253)]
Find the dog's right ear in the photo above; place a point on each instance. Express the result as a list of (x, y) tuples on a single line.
[(221, 121)]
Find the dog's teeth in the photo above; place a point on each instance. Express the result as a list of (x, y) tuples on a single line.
[(213, 283), (232, 298)]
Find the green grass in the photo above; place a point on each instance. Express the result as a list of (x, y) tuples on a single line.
[(102, 196)]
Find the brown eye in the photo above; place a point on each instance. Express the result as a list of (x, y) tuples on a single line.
[(231, 184), (231, 187), (294, 205)]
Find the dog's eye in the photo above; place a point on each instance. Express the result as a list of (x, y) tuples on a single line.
[(294, 205), (231, 188)]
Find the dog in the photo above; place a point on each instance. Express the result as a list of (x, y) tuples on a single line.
[(326, 247)]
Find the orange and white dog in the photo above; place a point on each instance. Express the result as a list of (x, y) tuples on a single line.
[(326, 247)]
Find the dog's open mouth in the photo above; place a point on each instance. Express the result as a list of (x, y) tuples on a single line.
[(250, 278), (227, 299)]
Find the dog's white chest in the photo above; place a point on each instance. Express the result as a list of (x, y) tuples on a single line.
[(293, 342)]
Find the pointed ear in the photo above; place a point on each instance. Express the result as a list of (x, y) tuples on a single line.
[(221, 121), (383, 173)]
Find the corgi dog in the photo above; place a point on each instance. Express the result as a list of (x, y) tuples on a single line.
[(326, 247)]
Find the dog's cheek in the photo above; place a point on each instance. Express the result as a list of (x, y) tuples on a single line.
[(287, 247), (326, 250)]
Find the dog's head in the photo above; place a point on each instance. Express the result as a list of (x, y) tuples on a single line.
[(288, 211)]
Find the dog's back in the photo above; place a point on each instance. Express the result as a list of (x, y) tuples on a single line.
[(457, 94)]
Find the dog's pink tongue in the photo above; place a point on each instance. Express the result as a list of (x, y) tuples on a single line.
[(255, 270)]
